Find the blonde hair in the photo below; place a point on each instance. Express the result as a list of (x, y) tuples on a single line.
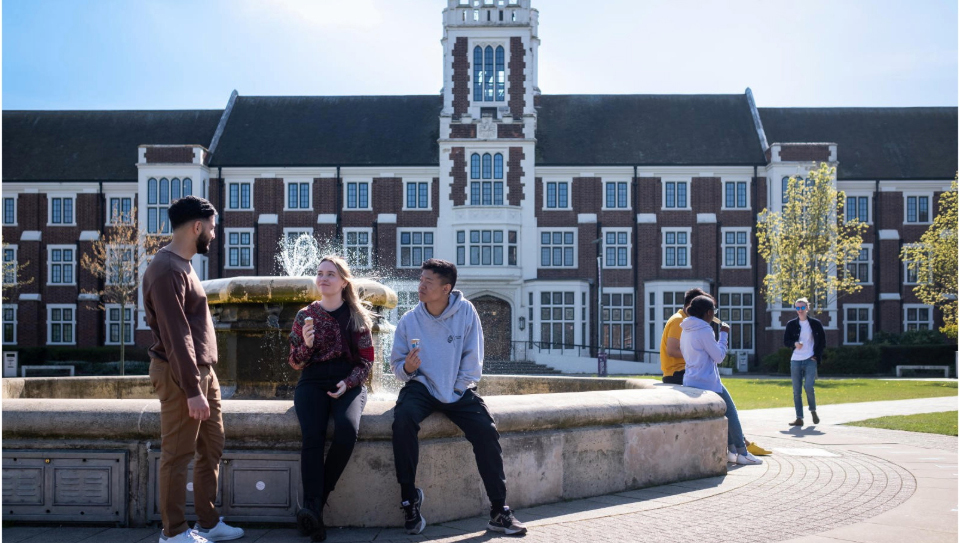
[(804, 300), (361, 318)]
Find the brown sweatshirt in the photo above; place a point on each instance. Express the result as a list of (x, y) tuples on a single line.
[(177, 312)]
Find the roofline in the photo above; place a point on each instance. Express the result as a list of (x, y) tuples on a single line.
[(49, 180), (657, 164), (328, 165)]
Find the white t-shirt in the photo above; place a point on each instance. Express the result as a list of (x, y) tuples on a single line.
[(806, 338)]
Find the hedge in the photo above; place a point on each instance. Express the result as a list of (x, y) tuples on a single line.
[(87, 360), (868, 359)]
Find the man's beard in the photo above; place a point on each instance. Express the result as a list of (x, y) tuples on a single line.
[(203, 244)]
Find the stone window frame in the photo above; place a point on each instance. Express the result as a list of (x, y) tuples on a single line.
[(109, 219), (930, 207), (907, 321), (603, 195), (869, 248), (723, 194), (228, 205), (227, 246), (72, 323), (132, 323), (417, 181), (51, 196), (16, 263), (346, 194), (689, 195), (628, 245), (72, 263), (868, 321), (689, 245), (723, 247), (860, 194), (412, 230), (14, 322), (725, 313), (287, 183), (15, 214), (574, 246), (483, 43), (369, 247), (545, 202)]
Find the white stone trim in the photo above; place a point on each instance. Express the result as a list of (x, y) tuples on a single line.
[(31, 235), (30, 297), (387, 218), (268, 218), (646, 218), (889, 296), (88, 297), (706, 218), (888, 234), (327, 218), (586, 218), (89, 235)]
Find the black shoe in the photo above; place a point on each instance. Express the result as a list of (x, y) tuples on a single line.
[(320, 533), (798, 422), (413, 521), (309, 518), (816, 419), (504, 522)]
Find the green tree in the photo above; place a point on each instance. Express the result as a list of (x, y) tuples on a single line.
[(13, 277), (809, 243), (934, 261)]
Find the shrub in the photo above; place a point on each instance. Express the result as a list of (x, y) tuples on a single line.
[(777, 361), (914, 337), (851, 360), (46, 355)]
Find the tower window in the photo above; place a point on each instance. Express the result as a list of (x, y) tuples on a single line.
[(489, 75)]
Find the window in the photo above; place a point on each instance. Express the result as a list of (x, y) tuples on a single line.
[(61, 210), (10, 265), (61, 323), (914, 273), (415, 247), (482, 169), (10, 211), (357, 246), (558, 249), (857, 207), (616, 247), (489, 76), (557, 195), (671, 302), (486, 247), (114, 325), (861, 268), (736, 309), (291, 235), (358, 195), (675, 195), (557, 318), (160, 194), (736, 247), (406, 301), (917, 317), (239, 248), (239, 196), (418, 195), (298, 195), (918, 209), (120, 209), (617, 319), (785, 185), (676, 248), (616, 195), (61, 261), (120, 265), (9, 324), (858, 320), (735, 195)]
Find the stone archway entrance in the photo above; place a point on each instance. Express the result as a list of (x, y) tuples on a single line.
[(496, 319)]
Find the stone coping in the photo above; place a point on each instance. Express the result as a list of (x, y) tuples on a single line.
[(256, 290), (255, 421)]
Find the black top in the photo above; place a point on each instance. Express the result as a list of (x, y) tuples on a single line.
[(792, 335), (334, 370)]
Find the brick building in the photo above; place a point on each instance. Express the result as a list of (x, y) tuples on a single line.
[(523, 190)]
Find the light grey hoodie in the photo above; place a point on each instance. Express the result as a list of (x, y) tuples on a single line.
[(702, 353), (451, 347)]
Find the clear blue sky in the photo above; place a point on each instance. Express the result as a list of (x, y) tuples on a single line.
[(170, 54)]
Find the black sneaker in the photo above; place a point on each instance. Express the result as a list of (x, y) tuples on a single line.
[(816, 419), (310, 521), (505, 522), (413, 521)]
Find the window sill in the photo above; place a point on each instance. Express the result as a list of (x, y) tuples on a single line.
[(61, 284), (357, 209), (416, 209), (676, 267), (676, 209), (310, 209), (615, 209), (734, 267), (61, 224)]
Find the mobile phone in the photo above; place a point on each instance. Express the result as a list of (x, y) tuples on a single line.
[(414, 343)]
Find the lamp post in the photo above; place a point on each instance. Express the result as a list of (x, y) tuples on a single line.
[(601, 354)]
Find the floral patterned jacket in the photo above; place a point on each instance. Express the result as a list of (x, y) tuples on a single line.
[(328, 344)]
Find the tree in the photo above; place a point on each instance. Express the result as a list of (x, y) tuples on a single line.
[(116, 258), (934, 261), (12, 275), (808, 242)]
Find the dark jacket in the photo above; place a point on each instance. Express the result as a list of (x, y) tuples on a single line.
[(792, 335)]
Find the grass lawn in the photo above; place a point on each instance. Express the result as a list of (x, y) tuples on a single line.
[(944, 423), (763, 393)]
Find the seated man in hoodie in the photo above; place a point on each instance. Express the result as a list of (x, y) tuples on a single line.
[(441, 374), (703, 353)]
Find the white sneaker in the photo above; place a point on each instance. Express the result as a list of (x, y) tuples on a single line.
[(731, 457), (190, 536), (748, 460), (220, 532)]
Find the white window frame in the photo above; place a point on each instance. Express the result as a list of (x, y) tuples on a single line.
[(663, 247), (723, 194), (869, 248), (162, 209), (576, 306), (724, 245), (240, 207), (411, 231), (132, 323), (869, 321), (506, 245), (407, 298), (406, 183), (368, 183), (906, 268), (286, 194), (112, 250), (929, 321), (109, 213), (617, 230), (16, 265), (15, 214), (755, 322), (869, 195), (930, 207), (483, 43), (73, 323), (603, 194), (569, 185), (50, 249), (543, 230), (68, 196), (300, 229), (663, 195), (14, 322), (227, 246), (346, 248), (610, 291)]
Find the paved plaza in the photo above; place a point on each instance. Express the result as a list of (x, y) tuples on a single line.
[(824, 483)]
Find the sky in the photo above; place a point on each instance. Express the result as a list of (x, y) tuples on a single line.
[(190, 54)]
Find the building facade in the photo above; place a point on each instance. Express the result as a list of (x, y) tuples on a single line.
[(571, 217)]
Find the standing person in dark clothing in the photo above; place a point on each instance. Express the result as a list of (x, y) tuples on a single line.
[(805, 336), (182, 357), (332, 345)]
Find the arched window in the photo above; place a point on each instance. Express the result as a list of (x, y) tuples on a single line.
[(174, 189), (477, 74), (488, 74), (501, 75), (164, 191), (498, 166), (187, 186), (152, 191), (486, 165), (474, 166)]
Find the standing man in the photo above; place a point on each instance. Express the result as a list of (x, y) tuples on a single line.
[(806, 337), (671, 359), (441, 373), (181, 370)]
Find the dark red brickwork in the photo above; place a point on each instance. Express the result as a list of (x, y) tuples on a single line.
[(517, 78), (463, 130), (802, 152), (169, 155), (461, 77), (513, 130), (514, 176), (458, 172)]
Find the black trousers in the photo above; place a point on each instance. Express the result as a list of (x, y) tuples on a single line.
[(675, 379), (469, 413), (314, 409)]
